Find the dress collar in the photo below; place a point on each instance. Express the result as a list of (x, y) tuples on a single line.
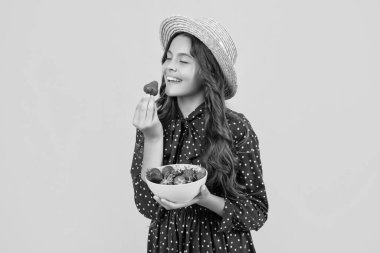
[(184, 136), (197, 112)]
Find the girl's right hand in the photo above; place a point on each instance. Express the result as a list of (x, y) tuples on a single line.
[(146, 118)]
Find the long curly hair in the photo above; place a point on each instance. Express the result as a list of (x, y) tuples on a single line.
[(218, 155)]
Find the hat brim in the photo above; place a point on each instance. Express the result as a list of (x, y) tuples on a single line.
[(175, 24)]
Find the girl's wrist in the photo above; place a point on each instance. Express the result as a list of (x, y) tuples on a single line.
[(153, 139), (203, 201), (214, 203)]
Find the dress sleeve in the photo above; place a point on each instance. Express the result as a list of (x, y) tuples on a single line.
[(250, 212), (144, 201)]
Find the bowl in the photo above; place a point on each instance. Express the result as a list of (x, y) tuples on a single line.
[(178, 193)]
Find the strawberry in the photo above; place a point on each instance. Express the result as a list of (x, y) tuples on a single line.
[(154, 175), (179, 180), (188, 174), (167, 170), (200, 174), (151, 88)]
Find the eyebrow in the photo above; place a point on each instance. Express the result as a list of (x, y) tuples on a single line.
[(180, 54)]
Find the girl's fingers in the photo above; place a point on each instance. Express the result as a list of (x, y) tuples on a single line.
[(172, 205), (155, 115), (168, 205), (141, 110), (147, 107), (164, 203), (161, 203), (137, 116), (151, 110)]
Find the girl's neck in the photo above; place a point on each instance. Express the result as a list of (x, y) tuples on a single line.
[(188, 104)]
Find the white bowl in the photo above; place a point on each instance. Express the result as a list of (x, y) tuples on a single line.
[(179, 193)]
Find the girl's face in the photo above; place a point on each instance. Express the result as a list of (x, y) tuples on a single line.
[(180, 70)]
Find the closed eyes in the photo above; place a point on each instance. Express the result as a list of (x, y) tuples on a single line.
[(169, 59)]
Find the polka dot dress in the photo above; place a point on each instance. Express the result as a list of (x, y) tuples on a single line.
[(196, 228)]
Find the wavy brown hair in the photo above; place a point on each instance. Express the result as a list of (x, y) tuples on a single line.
[(218, 155)]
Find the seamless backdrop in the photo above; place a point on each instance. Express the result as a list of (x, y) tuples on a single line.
[(72, 72)]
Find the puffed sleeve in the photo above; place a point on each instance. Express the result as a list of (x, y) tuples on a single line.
[(250, 212), (144, 201)]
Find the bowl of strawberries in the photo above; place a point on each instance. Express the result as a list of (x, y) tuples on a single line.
[(177, 183)]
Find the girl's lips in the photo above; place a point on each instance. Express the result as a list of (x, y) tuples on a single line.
[(170, 80), (173, 78)]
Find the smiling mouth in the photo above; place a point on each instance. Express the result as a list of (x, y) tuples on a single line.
[(173, 80)]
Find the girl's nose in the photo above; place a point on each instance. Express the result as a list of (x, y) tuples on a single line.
[(171, 66)]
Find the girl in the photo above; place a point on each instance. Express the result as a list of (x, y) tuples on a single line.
[(190, 123)]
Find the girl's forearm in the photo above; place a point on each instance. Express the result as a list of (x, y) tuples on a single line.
[(214, 203), (153, 152)]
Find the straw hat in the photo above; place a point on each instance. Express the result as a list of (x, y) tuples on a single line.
[(213, 35)]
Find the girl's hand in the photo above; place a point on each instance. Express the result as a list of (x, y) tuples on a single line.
[(199, 199), (146, 118)]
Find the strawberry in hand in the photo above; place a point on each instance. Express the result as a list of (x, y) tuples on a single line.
[(151, 88)]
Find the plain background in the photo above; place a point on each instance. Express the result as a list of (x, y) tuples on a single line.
[(72, 72)]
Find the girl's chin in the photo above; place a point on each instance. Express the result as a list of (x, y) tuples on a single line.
[(179, 92), (174, 95), (173, 92)]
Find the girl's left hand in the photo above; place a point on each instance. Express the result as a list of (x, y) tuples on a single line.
[(199, 199)]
